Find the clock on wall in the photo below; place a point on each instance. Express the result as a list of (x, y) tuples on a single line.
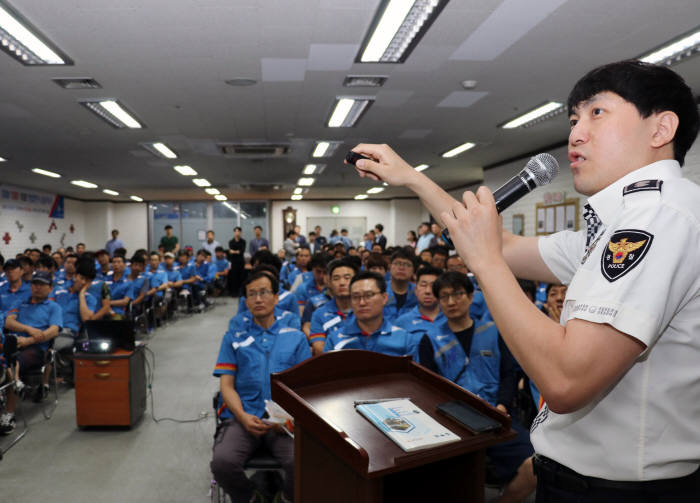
[(289, 220)]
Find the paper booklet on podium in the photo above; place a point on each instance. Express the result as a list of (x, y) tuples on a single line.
[(342, 457)]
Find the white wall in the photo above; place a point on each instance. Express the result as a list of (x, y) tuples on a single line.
[(397, 215), (131, 219)]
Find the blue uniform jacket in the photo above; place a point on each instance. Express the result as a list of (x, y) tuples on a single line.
[(287, 302), (391, 311), (70, 307), (309, 292), (326, 320), (285, 318), (389, 339), (118, 289), (480, 372), (9, 299), (39, 315), (252, 354), (416, 324)]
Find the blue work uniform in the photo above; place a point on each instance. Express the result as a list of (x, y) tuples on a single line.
[(391, 309), (388, 339), (173, 274), (39, 315), (10, 298), (70, 307), (308, 291), (480, 373), (186, 272), (285, 318), (287, 269), (102, 276), (326, 320), (118, 289), (293, 278), (157, 279), (221, 264), (138, 285), (252, 354), (416, 324)]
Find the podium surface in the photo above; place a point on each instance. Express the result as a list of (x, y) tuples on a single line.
[(340, 455)]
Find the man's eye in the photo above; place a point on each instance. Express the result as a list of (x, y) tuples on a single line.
[(597, 111), (572, 122)]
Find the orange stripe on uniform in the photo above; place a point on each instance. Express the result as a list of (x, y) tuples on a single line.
[(226, 366)]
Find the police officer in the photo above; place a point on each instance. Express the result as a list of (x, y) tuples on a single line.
[(246, 359), (619, 374)]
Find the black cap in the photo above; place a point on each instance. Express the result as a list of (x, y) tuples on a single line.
[(42, 277)]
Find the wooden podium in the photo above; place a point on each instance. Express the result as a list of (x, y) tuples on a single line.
[(340, 456)]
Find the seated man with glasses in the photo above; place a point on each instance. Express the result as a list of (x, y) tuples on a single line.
[(331, 316), (401, 292), (472, 354), (287, 300), (478, 309), (368, 329), (263, 344)]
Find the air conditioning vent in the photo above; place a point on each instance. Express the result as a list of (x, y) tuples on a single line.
[(260, 187), (78, 83), (253, 150), (364, 81)]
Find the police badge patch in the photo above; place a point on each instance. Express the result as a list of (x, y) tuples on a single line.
[(624, 251)]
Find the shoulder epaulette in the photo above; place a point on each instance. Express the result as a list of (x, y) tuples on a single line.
[(642, 186)]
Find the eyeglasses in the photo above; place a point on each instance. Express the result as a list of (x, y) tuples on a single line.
[(402, 263), (262, 294), (454, 295), (366, 296)]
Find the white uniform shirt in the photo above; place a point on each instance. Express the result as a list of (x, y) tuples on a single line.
[(647, 426)]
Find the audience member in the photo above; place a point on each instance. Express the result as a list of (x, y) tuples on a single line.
[(439, 256), (15, 290), (169, 242), (426, 314), (319, 236), (425, 238), (210, 243), (236, 252), (119, 286), (401, 295), (258, 242), (223, 267), (114, 243), (379, 238), (290, 246)]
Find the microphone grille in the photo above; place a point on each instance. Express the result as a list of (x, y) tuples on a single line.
[(543, 168)]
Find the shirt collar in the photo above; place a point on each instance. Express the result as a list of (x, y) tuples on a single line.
[(353, 328), (607, 202)]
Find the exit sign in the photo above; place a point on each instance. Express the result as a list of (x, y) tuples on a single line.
[(335, 209)]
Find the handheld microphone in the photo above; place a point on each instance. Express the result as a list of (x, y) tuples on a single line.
[(539, 170)]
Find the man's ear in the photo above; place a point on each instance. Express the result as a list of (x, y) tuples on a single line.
[(665, 127)]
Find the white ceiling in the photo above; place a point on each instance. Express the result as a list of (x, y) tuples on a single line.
[(168, 61)]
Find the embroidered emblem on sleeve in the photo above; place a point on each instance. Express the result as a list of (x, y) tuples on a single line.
[(625, 250), (642, 186)]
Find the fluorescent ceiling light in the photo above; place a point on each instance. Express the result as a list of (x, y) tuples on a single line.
[(111, 111), (220, 197), (298, 191), (306, 182), (2, 159), (297, 197), (160, 149), (201, 182), (348, 110), (136, 198), (458, 150), (185, 170), (22, 41), (675, 51), (325, 148), (212, 191), (375, 190), (422, 167), (361, 196), (84, 184), (314, 169), (111, 192), (46, 173), (397, 28), (542, 112), (243, 214)]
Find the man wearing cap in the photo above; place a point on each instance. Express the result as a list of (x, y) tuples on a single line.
[(14, 290), (37, 321)]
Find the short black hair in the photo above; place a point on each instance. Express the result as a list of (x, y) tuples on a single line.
[(376, 260), (257, 227), (290, 233), (340, 262), (119, 256), (80, 244), (268, 268), (138, 258), (183, 252), (219, 249), (155, 253), (24, 260), (274, 283), (428, 270), (237, 228), (550, 286), (266, 257), (120, 251), (651, 89), (439, 250), (379, 227), (454, 280), (86, 268), (166, 227), (404, 253), (318, 260), (528, 287), (47, 245), (381, 282), (47, 262)]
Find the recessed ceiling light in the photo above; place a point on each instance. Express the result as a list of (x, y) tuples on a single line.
[(2, 159), (675, 51), (298, 191), (314, 169), (375, 190), (220, 197), (422, 167), (397, 27), (542, 112), (160, 149), (22, 41), (212, 191), (112, 112), (297, 197), (306, 182), (361, 196), (46, 173), (185, 170), (136, 198), (111, 192), (325, 148), (348, 110), (84, 184), (458, 150), (201, 182), (364, 80)]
